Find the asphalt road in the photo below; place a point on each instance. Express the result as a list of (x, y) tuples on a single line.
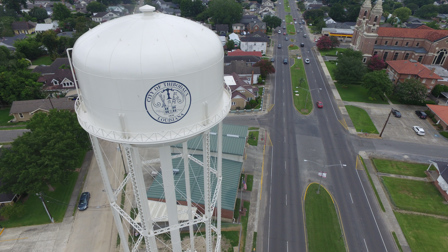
[(320, 138)]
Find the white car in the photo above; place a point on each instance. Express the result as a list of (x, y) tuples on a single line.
[(307, 61), (419, 130)]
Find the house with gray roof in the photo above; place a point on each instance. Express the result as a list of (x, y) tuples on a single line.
[(250, 60), (257, 41), (243, 69), (24, 110)]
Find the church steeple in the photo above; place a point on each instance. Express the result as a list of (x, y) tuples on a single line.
[(375, 16), (364, 12)]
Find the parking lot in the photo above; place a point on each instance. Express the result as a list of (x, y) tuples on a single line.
[(400, 129)]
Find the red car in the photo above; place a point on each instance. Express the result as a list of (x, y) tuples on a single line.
[(284, 33), (319, 104)]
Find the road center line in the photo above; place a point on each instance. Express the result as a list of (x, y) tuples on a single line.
[(366, 245), (351, 197), (286, 203)]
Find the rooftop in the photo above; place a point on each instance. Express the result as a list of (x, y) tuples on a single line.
[(412, 68), (238, 52), (421, 32), (401, 48), (441, 112)]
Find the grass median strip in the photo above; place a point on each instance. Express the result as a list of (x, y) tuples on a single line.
[(300, 88), (418, 196), (322, 225), (400, 168), (361, 120)]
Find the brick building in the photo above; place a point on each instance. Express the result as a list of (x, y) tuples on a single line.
[(400, 70), (422, 44)]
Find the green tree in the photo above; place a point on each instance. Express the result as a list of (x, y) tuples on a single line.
[(413, 7), (433, 24), (191, 8), (352, 13), (60, 12), (39, 13), (94, 7), (230, 45), (19, 84), (438, 89), (45, 155), (337, 13), (272, 21), (427, 11), (350, 69), (30, 47), (50, 40), (377, 84), (15, 5), (411, 91), (334, 42), (266, 67), (420, 3), (225, 11), (403, 13)]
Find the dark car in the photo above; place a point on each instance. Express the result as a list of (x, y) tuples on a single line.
[(84, 201), (302, 44), (396, 113), (279, 46), (272, 59), (421, 114), (285, 61)]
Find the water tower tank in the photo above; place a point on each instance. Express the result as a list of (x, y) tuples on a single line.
[(149, 78)]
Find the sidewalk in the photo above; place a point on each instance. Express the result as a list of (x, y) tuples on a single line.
[(389, 216)]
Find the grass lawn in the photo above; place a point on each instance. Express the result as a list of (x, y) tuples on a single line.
[(236, 211), (415, 196), (56, 202), (356, 93), (372, 185), (5, 117), (253, 128), (303, 102), (250, 182), (44, 60), (401, 168), (322, 225), (332, 52), (290, 28), (397, 242), (444, 133), (286, 6), (424, 233), (361, 120), (260, 91), (244, 220), (253, 138), (232, 236), (14, 128), (331, 66), (254, 243)]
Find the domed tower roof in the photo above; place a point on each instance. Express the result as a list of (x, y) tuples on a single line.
[(150, 78)]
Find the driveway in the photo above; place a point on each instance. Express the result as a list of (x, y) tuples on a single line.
[(400, 129), (8, 136)]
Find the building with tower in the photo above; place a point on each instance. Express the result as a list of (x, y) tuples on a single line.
[(421, 44)]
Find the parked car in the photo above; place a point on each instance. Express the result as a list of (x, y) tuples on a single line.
[(396, 113), (419, 130), (307, 61), (272, 59), (302, 44), (421, 114), (279, 46), (304, 35), (285, 61), (319, 104), (84, 201), (279, 32)]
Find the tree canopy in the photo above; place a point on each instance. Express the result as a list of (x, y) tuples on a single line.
[(19, 84), (403, 13), (427, 11), (39, 13), (94, 7), (350, 69), (45, 155), (377, 84), (272, 21), (411, 91), (15, 5), (225, 11), (60, 12), (375, 63), (30, 47), (266, 67), (189, 8), (324, 43)]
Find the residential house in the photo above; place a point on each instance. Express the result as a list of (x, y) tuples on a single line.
[(23, 27), (6, 198), (314, 5), (440, 71), (222, 29), (440, 114), (257, 41), (248, 73), (266, 11), (235, 38), (9, 41), (242, 93), (441, 183), (238, 52), (57, 78), (250, 60), (120, 10), (238, 28), (400, 70), (24, 110), (168, 7), (40, 28), (256, 26), (101, 17)]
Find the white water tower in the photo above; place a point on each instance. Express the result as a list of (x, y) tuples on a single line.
[(154, 80)]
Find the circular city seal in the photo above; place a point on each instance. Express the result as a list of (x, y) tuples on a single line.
[(168, 101)]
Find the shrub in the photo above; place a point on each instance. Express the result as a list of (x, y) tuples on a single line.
[(12, 211)]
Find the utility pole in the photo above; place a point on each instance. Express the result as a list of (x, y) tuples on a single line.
[(386, 122), (45, 206)]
